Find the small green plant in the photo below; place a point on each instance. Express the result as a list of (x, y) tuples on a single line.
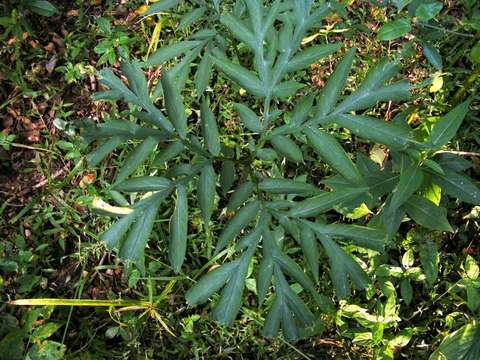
[(6, 140), (424, 20), (295, 187), (464, 343), (114, 40)]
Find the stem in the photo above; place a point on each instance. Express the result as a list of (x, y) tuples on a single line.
[(447, 31), (30, 147), (460, 153)]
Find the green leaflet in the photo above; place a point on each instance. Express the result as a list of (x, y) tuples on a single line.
[(410, 181), (108, 78), (252, 238), (210, 283), (136, 80), (380, 131), (174, 105), (161, 6), (240, 221), (428, 11), (285, 262), (330, 150), (452, 162), (227, 175), (285, 186), (302, 110), (391, 220), (264, 275), (308, 242), (406, 291), (191, 17), (204, 72), (136, 157), (366, 237), (249, 118), (143, 184), (256, 15), (288, 310), (381, 183), (246, 79), (121, 128), (394, 29), (271, 16), (113, 236), (400, 4), (432, 55), (169, 52), (311, 55), (267, 154), (273, 319), (287, 147), (446, 128), (238, 29), (206, 193), (181, 71), (324, 202), (286, 89), (210, 129), (459, 186), (42, 7), (231, 298), (342, 267), (171, 151), (101, 152), (363, 99), (427, 214), (178, 230), (335, 84), (139, 95), (430, 260), (461, 344), (134, 246), (241, 194)]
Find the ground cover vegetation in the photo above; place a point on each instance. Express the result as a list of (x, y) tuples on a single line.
[(238, 179)]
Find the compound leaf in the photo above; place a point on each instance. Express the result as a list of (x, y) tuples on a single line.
[(231, 298), (342, 266)]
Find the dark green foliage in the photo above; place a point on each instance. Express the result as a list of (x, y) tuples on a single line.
[(267, 200)]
